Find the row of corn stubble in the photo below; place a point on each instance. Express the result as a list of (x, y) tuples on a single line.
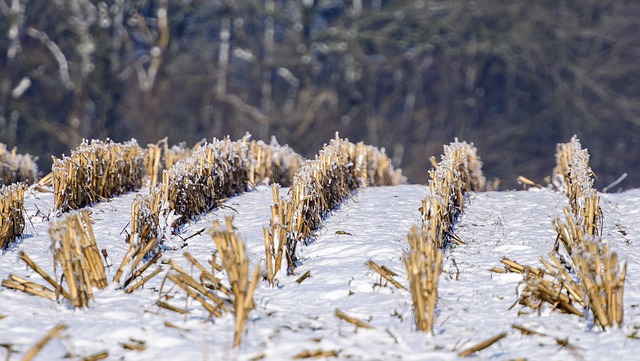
[(582, 274), (591, 281), (196, 181)]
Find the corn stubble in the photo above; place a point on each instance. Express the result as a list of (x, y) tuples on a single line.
[(146, 220), (573, 175), (16, 168), (160, 156), (79, 262), (590, 277), (197, 184), (197, 180), (223, 168), (96, 171), (318, 187), (209, 289), (12, 212), (77, 256), (459, 172), (53, 333), (424, 264), (236, 265), (271, 163)]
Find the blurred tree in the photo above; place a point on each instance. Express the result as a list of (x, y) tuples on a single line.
[(515, 77)]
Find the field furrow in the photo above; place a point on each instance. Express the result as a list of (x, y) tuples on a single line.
[(335, 305), (476, 304), (302, 316)]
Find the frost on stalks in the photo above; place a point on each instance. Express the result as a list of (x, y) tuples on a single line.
[(458, 172), (76, 254), (596, 281), (96, 171), (12, 212), (236, 265), (146, 214), (16, 168), (271, 163), (320, 186), (160, 156), (590, 282), (573, 175), (424, 264), (213, 172)]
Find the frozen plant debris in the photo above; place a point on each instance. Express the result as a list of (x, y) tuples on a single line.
[(16, 167), (96, 171), (12, 212), (318, 187)]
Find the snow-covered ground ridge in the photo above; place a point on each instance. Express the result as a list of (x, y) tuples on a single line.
[(474, 304)]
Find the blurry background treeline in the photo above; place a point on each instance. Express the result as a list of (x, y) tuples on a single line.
[(514, 77)]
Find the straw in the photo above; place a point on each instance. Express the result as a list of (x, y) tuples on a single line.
[(43, 341), (16, 168), (96, 171), (482, 345), (12, 220)]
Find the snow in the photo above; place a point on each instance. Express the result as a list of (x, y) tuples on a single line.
[(474, 304)]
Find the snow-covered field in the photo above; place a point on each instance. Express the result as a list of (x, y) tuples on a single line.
[(474, 304)]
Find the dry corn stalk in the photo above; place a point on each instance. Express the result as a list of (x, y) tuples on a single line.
[(236, 265), (319, 187), (145, 219), (152, 157), (540, 287), (573, 174), (385, 273), (602, 278), (275, 236), (96, 171), (315, 354), (271, 163), (424, 264), (43, 341), (200, 182), (177, 153), (513, 266), (16, 168), (374, 167), (160, 156), (197, 289), (352, 320), (11, 213), (482, 345), (76, 253), (593, 281), (459, 172), (139, 257), (21, 284), (96, 356), (600, 274), (207, 289)]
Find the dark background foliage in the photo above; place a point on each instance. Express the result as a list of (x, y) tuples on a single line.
[(514, 77)]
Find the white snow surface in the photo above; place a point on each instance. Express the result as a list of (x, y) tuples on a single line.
[(474, 304)]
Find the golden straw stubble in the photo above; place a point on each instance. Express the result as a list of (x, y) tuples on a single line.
[(424, 264), (236, 264), (12, 220)]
